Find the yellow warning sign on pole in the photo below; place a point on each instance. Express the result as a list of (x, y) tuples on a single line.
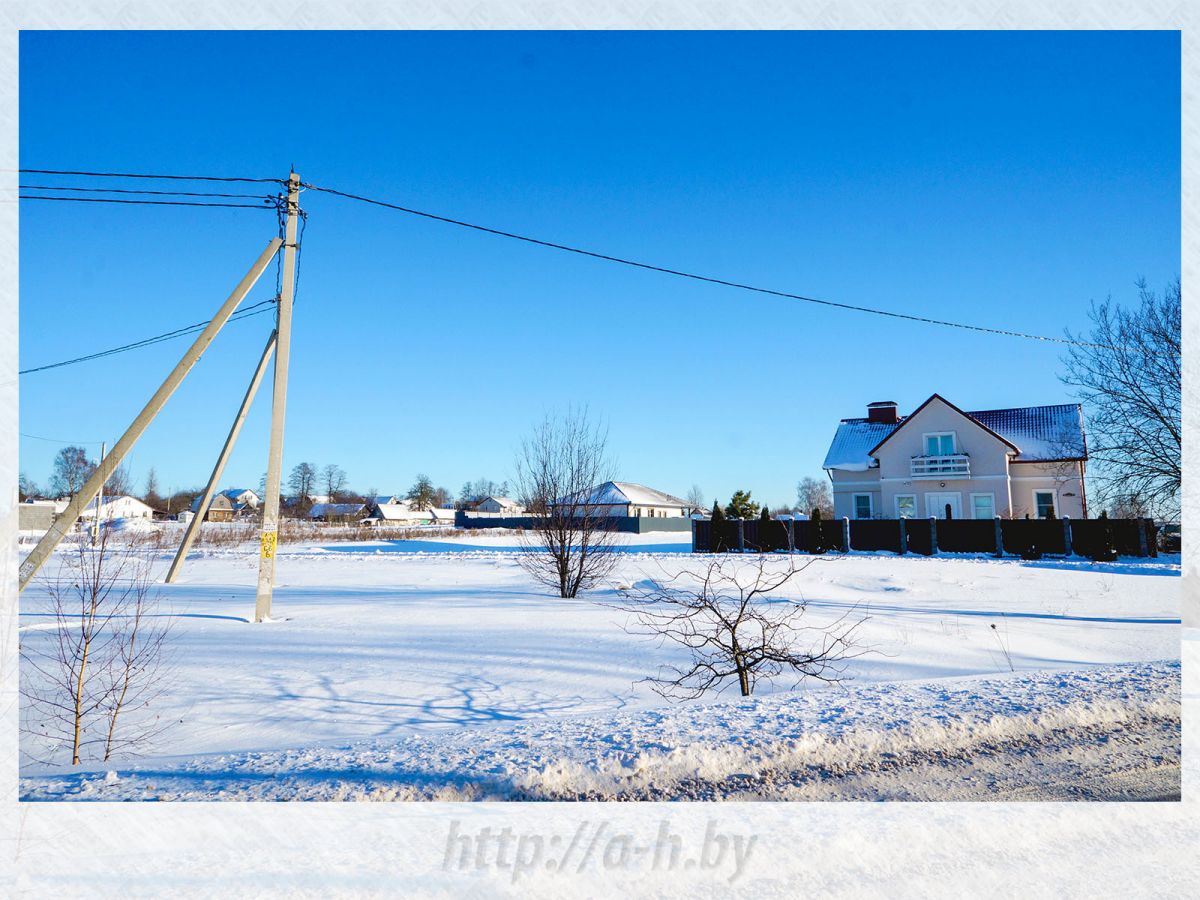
[(269, 540)]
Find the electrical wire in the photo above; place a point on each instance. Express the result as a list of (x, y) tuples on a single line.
[(270, 200), (107, 190), (55, 440), (926, 320), (253, 310), (153, 176)]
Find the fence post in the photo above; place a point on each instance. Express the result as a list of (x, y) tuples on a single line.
[(1066, 520), (1143, 545), (903, 536), (693, 535), (933, 535), (741, 537), (791, 527), (845, 534), (999, 538), (1152, 541)]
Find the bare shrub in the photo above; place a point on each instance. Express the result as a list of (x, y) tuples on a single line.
[(734, 629), (87, 688), (570, 542)]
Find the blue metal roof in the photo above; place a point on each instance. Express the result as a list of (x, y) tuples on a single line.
[(1041, 433)]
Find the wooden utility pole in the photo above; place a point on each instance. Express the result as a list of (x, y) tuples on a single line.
[(283, 342), (194, 526), (91, 489)]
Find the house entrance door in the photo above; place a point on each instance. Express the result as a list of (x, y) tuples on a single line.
[(935, 504)]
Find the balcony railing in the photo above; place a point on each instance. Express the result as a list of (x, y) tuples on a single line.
[(957, 465)]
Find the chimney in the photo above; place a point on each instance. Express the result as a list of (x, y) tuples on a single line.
[(883, 412)]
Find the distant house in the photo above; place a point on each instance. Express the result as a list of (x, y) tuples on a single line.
[(385, 498), (242, 498), (221, 509), (36, 515), (623, 498), (185, 516), (394, 514), (123, 507), (941, 461), (403, 514), (338, 512), (228, 504), (500, 505)]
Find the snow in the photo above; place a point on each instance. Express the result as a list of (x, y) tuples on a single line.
[(426, 650), (849, 743)]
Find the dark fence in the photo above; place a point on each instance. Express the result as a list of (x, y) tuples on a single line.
[(1019, 537), (628, 524)]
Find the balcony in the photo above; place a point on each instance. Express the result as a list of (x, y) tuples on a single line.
[(956, 465)]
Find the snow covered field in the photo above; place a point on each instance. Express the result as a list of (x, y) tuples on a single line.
[(438, 669)]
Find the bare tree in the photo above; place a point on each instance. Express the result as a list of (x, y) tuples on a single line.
[(88, 684), (72, 468), (333, 479), (151, 497), (442, 498), (301, 482), (26, 488), (695, 498), (120, 482), (1129, 378), (558, 472), (421, 495), (734, 629), (812, 493)]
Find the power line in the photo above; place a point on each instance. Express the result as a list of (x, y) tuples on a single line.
[(705, 278), (148, 202), (154, 176), (55, 440), (253, 310), (108, 190)]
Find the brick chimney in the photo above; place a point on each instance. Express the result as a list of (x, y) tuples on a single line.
[(883, 412)]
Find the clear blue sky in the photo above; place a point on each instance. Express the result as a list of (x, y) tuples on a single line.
[(1001, 179)]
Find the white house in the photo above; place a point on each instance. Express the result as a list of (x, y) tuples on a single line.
[(939, 460), (118, 508), (242, 497), (623, 498), (500, 505), (397, 514)]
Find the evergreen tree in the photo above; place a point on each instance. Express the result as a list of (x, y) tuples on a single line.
[(718, 530), (741, 506)]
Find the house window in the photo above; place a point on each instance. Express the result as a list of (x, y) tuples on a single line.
[(1046, 504), (983, 506), (939, 443), (862, 506), (906, 506)]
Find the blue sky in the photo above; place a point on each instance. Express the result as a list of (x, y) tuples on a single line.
[(1002, 179)]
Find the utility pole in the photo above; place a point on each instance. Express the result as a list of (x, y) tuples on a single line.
[(91, 488), (194, 526), (283, 342), (99, 502)]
